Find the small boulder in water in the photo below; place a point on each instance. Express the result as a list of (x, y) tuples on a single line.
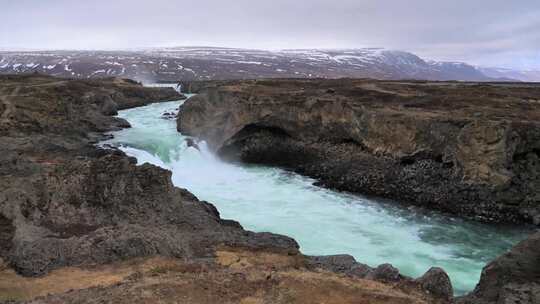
[(191, 143), (168, 115), (122, 123)]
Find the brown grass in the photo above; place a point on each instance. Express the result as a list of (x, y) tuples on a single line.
[(16, 287), (237, 276)]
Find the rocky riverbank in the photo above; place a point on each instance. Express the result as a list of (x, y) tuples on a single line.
[(470, 149), (82, 224)]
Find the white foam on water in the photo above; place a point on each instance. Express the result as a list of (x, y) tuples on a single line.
[(321, 220)]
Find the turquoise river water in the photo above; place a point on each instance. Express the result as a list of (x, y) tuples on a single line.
[(322, 221)]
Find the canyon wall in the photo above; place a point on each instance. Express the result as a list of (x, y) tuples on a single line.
[(65, 202), (469, 149)]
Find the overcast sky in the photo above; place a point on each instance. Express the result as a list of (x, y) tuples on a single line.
[(484, 32)]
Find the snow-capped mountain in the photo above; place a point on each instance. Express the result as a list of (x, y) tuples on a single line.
[(188, 63)]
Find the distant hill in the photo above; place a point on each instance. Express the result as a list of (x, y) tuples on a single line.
[(202, 63), (529, 76)]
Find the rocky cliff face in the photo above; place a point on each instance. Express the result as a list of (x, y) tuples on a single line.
[(465, 148), (65, 202)]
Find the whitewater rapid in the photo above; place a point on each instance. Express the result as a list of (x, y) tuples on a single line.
[(323, 222)]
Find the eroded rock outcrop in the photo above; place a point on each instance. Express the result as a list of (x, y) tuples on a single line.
[(64, 202), (435, 281), (512, 278), (465, 148)]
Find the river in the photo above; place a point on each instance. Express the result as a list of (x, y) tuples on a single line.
[(322, 221)]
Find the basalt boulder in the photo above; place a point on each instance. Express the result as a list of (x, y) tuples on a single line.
[(435, 281)]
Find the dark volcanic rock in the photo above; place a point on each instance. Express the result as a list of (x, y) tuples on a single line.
[(512, 278), (191, 143), (7, 231), (342, 263), (346, 264), (168, 115), (437, 282), (107, 209), (385, 273), (109, 107), (65, 202), (465, 148)]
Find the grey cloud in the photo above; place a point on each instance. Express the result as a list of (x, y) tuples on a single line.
[(487, 32)]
